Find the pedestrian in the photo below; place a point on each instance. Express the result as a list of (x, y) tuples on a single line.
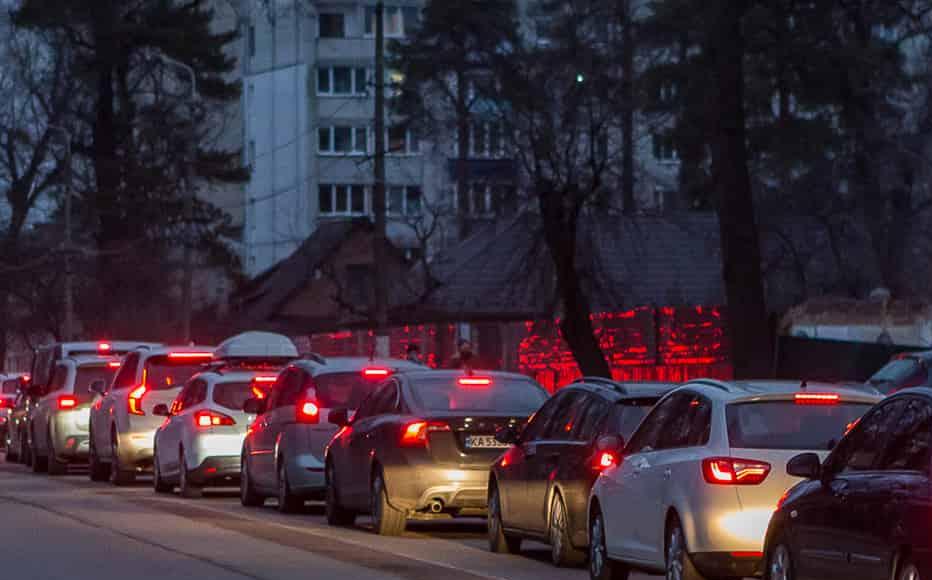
[(464, 357), (413, 354)]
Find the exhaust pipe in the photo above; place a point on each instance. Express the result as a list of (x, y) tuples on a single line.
[(435, 506)]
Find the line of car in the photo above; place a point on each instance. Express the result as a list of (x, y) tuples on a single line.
[(708, 479)]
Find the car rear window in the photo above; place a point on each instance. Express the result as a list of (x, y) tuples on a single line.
[(342, 390), (163, 373), (10, 387), (233, 395), (511, 396), (87, 375), (787, 425)]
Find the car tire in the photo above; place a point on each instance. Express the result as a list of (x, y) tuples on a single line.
[(187, 488), (562, 552), (247, 495), (97, 470), (40, 464), (159, 485), (386, 520), (780, 562), (11, 456), (118, 476), (56, 468), (337, 515), (907, 570), (678, 564), (288, 502), (499, 541), (601, 567)]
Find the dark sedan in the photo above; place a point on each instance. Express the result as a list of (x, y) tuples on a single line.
[(540, 488), (866, 512), (420, 446)]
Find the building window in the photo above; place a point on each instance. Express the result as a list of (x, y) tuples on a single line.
[(487, 199), (342, 200), (398, 21), (402, 141), (405, 200), (332, 25), (342, 140), (342, 81), (664, 147), (486, 141)]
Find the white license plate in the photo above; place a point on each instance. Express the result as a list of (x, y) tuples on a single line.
[(484, 442)]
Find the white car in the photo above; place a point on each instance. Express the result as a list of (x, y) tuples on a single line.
[(692, 493), (122, 424)]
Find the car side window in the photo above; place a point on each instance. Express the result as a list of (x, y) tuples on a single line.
[(861, 450), (59, 376), (198, 393), (566, 416), (385, 400), (538, 423), (908, 448), (677, 429), (700, 421), (179, 404), (648, 436), (291, 383), (591, 420), (126, 376)]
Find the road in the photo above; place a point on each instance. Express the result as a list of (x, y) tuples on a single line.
[(70, 528)]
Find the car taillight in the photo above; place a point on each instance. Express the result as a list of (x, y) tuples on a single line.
[(5, 404), (782, 499), (307, 412), (376, 373), (135, 400), (104, 347), (115, 364), (212, 419), (605, 460), (474, 381), (205, 356), (415, 434), (817, 398), (731, 471), (66, 402)]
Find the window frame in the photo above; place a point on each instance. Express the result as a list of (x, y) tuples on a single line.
[(351, 189), (320, 21), (354, 148)]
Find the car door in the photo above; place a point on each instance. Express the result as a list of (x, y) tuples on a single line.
[(364, 439), (633, 493), (169, 436), (824, 524), (279, 414), (48, 404), (103, 405), (339, 451), (512, 469)]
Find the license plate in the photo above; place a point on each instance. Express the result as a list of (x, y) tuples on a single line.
[(484, 442)]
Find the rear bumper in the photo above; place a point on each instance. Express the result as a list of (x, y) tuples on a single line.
[(413, 488), (136, 449), (217, 471), (306, 475), (728, 565), (70, 438)]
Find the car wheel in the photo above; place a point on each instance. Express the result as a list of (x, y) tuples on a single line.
[(187, 488), (386, 520), (159, 484), (601, 567), (288, 503), (908, 570), (98, 471), (337, 515), (499, 541), (11, 456), (40, 464), (247, 495), (562, 552), (118, 476), (55, 467), (679, 566)]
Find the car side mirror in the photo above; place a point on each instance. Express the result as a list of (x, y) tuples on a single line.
[(161, 410), (98, 387), (339, 417), (508, 435), (611, 444), (807, 466), (254, 406)]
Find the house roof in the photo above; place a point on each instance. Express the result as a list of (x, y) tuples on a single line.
[(504, 269)]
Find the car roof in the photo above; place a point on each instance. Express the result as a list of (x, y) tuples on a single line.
[(349, 364), (774, 389), (164, 349), (623, 390), (421, 372), (922, 391), (90, 359), (213, 376), (924, 355)]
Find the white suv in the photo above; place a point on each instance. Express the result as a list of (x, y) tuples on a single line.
[(692, 493)]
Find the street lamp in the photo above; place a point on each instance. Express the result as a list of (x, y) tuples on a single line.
[(187, 284), (68, 331)]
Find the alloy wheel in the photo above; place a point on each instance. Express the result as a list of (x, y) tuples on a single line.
[(780, 564), (557, 528), (910, 572), (495, 520), (676, 552), (596, 547)]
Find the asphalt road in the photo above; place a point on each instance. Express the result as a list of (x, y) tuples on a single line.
[(71, 529)]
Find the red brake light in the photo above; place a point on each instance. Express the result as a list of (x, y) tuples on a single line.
[(258, 393), (114, 364), (66, 402), (782, 499), (212, 419), (474, 381), (817, 398), (264, 379), (104, 347), (730, 471), (135, 400), (376, 373), (190, 355), (605, 460), (5, 403), (415, 434), (308, 412), (26, 378), (741, 555)]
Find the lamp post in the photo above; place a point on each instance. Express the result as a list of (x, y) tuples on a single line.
[(68, 331)]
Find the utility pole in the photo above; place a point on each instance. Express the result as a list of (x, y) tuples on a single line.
[(68, 330), (378, 191)]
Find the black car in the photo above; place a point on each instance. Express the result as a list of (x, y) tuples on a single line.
[(539, 489), (866, 512)]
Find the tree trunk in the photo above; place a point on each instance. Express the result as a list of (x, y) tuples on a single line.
[(462, 167), (741, 255), (560, 230), (629, 204)]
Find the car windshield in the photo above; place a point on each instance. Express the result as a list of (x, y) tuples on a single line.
[(233, 395), (787, 425), (162, 373), (342, 390), (10, 387), (508, 396), (899, 374), (88, 375)]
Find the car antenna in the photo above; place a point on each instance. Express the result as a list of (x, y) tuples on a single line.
[(804, 384)]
